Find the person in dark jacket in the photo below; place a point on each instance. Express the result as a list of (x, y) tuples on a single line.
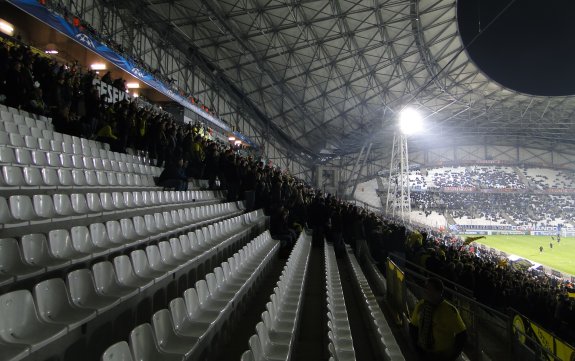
[(174, 176)]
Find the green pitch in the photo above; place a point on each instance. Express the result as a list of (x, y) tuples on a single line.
[(561, 257)]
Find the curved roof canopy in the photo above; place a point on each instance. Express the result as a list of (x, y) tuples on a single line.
[(332, 73)]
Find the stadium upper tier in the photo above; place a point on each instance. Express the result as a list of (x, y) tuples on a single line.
[(491, 177)]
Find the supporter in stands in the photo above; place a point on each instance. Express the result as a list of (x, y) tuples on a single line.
[(174, 175), (436, 326)]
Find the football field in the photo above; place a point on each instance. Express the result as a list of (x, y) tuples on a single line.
[(561, 257)]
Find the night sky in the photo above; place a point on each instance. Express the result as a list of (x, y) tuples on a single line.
[(530, 48)]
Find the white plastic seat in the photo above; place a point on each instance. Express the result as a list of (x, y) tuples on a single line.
[(140, 226), (62, 246), (107, 284), (167, 255), (144, 346), (11, 127), (57, 146), (128, 200), (128, 232), (168, 340), (99, 235), (120, 351), (36, 252), (30, 141), (107, 201), (44, 206), (118, 200), (79, 178), (24, 130), (32, 177), (79, 204), (66, 160), (54, 305), (115, 233), (63, 205), (91, 178), (12, 176), (20, 324), (16, 140), (36, 132), (102, 178), (184, 325), (22, 209), (44, 144), (7, 155), (23, 156), (39, 158), (12, 263), (65, 177), (82, 241), (273, 351), (126, 275), (142, 267), (206, 299), (155, 260), (83, 292), (94, 203)]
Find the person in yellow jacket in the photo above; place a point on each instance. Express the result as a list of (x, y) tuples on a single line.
[(436, 327)]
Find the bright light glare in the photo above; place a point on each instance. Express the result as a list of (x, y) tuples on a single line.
[(410, 121), (133, 85), (6, 27), (98, 66)]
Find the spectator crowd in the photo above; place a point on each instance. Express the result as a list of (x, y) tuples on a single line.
[(38, 84)]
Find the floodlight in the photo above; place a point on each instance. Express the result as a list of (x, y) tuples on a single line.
[(231, 138), (133, 85), (410, 121), (6, 27)]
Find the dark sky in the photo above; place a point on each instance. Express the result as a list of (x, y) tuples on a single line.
[(530, 48)]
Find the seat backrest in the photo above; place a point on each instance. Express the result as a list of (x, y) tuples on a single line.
[(119, 351), (13, 176), (178, 312), (94, 202), (81, 239), (23, 156), (79, 204), (10, 256), (203, 292), (32, 176), (65, 177), (143, 343), (63, 205), (124, 269), (21, 208), (51, 298), (99, 235), (104, 276), (212, 283), (114, 232), (127, 227), (256, 347), (17, 315), (140, 262), (192, 302), (81, 286), (163, 327)]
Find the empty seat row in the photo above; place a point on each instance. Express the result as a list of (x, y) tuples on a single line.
[(29, 321), (38, 177), (339, 331), (56, 156), (22, 119), (43, 207), (37, 253), (276, 333), (191, 322), (387, 343)]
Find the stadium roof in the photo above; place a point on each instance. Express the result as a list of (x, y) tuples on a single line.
[(330, 75)]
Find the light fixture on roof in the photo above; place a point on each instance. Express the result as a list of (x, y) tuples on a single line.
[(98, 66), (410, 121), (135, 95), (231, 138), (238, 142), (133, 85), (53, 52), (6, 27)]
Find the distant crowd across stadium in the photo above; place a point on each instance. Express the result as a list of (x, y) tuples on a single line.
[(478, 196)]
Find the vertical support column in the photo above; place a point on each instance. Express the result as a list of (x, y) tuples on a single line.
[(398, 202)]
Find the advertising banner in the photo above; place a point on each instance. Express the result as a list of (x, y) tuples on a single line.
[(57, 22)]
